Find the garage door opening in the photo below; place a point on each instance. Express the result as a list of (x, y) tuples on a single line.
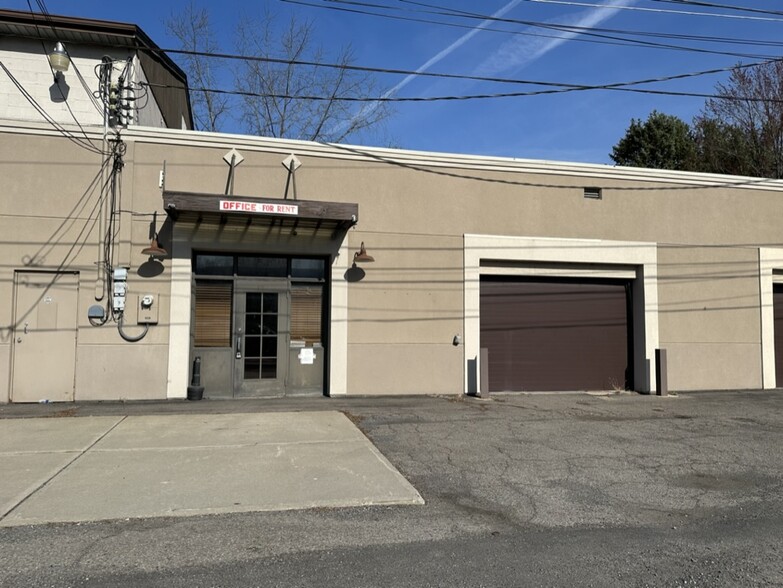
[(557, 334)]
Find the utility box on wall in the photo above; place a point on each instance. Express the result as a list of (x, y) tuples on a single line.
[(147, 308)]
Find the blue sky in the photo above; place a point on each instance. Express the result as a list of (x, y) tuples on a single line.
[(576, 126)]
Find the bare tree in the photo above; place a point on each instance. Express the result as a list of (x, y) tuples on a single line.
[(742, 130), (192, 29), (274, 105), (279, 98)]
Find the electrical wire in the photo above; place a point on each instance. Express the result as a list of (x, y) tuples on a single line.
[(597, 37), (45, 12), (473, 15), (112, 233), (726, 6), (643, 9), (76, 244), (39, 256), (594, 32), (124, 335), (113, 226), (390, 99), (124, 84), (85, 85), (557, 87), (92, 95), (406, 72), (73, 138), (569, 29), (605, 39)]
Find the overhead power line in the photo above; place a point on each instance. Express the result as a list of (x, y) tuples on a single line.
[(725, 6), (594, 35), (554, 87), (84, 143), (448, 11), (64, 95), (654, 10), (431, 74), (558, 88)]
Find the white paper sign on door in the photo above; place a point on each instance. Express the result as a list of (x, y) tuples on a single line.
[(306, 356)]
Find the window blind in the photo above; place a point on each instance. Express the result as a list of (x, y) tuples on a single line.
[(306, 314), (213, 314)]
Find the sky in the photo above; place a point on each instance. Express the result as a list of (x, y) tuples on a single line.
[(575, 126)]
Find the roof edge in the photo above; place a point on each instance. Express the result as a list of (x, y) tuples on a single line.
[(107, 27), (408, 157)]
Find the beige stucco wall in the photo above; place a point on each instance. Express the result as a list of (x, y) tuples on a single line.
[(49, 219), (709, 316), (404, 314), (42, 214), (398, 322)]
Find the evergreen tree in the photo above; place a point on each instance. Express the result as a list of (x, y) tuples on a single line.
[(663, 141)]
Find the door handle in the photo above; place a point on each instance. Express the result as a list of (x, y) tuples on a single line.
[(239, 347), (25, 327)]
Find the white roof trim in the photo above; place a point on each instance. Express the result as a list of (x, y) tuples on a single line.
[(407, 157)]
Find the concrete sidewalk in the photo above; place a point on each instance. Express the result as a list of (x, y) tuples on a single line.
[(110, 467)]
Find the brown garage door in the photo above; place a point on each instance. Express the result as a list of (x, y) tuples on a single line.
[(558, 334), (777, 297)]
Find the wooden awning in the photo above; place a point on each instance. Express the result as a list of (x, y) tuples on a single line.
[(336, 215)]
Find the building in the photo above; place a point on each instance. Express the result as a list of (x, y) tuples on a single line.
[(145, 80), (123, 266)]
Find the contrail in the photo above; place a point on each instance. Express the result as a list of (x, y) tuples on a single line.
[(520, 52), (451, 48), (372, 106)]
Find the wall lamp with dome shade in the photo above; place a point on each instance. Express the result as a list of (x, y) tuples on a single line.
[(155, 250), (59, 59), (362, 256)]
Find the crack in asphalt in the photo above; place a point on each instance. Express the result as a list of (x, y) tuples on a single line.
[(512, 461)]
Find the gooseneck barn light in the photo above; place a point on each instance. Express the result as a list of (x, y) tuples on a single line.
[(362, 256), (154, 250)]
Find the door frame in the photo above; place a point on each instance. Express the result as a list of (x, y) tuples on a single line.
[(272, 387), (284, 284), (535, 256), (17, 320)]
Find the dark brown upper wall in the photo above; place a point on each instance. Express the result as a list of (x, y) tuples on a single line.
[(172, 99)]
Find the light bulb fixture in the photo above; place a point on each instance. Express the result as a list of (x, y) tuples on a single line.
[(155, 250), (361, 256), (59, 59)]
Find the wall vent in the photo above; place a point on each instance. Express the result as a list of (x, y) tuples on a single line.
[(594, 193)]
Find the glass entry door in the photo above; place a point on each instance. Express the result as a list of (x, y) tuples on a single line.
[(261, 338), (259, 324)]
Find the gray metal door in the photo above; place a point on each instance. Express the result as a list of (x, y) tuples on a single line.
[(44, 343), (261, 338)]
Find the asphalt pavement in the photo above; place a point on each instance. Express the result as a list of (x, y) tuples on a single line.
[(519, 490)]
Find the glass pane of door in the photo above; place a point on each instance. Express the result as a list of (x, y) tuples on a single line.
[(261, 335)]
